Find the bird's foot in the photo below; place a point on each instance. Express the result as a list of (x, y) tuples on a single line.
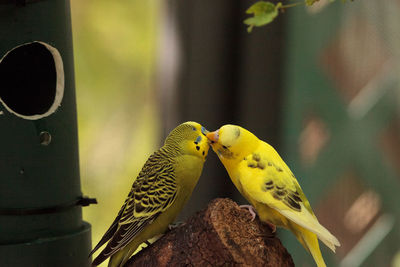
[(175, 225), (266, 235), (251, 209), (271, 226)]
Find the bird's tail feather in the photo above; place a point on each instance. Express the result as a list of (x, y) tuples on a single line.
[(309, 222), (122, 256), (330, 243), (326, 237), (116, 260), (310, 242)]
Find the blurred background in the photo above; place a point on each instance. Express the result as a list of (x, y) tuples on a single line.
[(320, 84)]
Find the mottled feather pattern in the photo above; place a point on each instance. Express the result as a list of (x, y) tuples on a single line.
[(111, 230), (153, 191), (177, 135), (126, 232), (287, 193)]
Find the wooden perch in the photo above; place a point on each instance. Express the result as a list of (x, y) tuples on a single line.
[(221, 235)]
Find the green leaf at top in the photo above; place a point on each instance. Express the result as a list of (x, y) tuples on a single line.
[(310, 2), (263, 13)]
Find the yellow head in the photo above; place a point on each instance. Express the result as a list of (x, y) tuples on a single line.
[(232, 142), (189, 138)]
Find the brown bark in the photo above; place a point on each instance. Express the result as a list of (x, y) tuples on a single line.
[(221, 235)]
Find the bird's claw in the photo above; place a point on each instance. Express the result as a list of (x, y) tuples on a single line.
[(253, 213), (272, 235), (251, 209), (271, 226), (175, 225)]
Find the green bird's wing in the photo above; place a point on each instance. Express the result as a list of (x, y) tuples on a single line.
[(111, 230), (153, 191)]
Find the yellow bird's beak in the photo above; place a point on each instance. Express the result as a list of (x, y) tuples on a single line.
[(213, 136)]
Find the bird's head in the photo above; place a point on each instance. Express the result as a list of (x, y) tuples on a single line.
[(232, 142), (190, 138)]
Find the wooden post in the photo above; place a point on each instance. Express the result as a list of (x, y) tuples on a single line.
[(221, 235)]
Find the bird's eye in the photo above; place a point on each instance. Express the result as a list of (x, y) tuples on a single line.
[(194, 128), (225, 147)]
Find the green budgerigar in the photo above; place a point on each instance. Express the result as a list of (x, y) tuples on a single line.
[(158, 194)]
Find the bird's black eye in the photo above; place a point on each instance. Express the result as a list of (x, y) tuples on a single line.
[(194, 128), (224, 147)]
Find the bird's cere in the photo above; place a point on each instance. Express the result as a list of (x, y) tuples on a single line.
[(204, 130)]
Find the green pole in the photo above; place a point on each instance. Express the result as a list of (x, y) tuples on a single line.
[(40, 196)]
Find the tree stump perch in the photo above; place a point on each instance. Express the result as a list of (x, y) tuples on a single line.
[(221, 235)]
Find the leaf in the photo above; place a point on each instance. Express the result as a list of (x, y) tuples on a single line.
[(310, 2), (263, 13)]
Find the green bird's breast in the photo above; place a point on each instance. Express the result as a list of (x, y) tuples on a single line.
[(188, 169)]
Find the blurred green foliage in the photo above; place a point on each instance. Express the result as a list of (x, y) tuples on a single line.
[(114, 53), (264, 12)]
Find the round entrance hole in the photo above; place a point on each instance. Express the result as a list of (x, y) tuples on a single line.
[(32, 80)]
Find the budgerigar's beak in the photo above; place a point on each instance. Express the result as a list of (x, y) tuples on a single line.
[(204, 131), (213, 136)]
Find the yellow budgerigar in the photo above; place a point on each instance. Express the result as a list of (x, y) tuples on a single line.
[(158, 194), (263, 178)]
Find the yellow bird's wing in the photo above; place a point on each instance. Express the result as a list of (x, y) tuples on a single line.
[(153, 191), (266, 178)]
